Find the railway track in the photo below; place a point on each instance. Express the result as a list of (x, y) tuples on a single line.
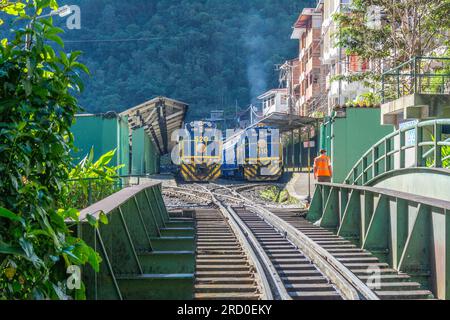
[(223, 270), (248, 252), (301, 278), (390, 283)]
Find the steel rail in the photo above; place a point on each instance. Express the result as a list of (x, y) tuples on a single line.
[(350, 286), (272, 288), (186, 193), (268, 293), (260, 276), (276, 280), (347, 282)]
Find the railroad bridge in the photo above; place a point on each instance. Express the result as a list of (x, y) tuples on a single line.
[(380, 232), (379, 235)]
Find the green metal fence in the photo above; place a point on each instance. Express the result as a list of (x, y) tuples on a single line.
[(146, 254), (430, 144), (420, 75), (411, 233)]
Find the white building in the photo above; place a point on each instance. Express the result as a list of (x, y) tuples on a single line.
[(335, 60), (274, 101)]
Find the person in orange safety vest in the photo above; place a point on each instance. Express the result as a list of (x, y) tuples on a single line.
[(322, 167)]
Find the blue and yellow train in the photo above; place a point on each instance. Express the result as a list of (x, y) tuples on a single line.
[(254, 155), (200, 152)]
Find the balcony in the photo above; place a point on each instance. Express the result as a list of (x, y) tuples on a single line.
[(417, 89), (330, 54), (309, 38), (334, 89)]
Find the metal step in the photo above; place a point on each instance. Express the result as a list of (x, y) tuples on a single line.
[(226, 296), (404, 295)]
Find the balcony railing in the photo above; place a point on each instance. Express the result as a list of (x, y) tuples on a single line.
[(420, 75)]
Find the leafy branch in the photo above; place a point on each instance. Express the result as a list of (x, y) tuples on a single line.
[(37, 109)]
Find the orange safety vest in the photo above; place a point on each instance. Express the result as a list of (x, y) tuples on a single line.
[(322, 166)]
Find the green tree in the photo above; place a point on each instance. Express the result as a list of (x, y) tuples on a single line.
[(198, 51), (37, 109), (407, 28)]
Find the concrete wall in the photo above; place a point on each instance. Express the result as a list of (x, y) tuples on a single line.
[(346, 139), (104, 135)]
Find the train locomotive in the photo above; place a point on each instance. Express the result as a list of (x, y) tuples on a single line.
[(254, 155), (200, 150)]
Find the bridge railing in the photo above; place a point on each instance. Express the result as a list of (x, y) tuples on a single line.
[(83, 192), (420, 75), (146, 254), (408, 232), (427, 141)]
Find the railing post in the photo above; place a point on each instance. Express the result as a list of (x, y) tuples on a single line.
[(419, 137), (141, 217), (130, 241), (402, 150), (364, 171), (374, 162), (158, 231), (387, 157), (437, 147)]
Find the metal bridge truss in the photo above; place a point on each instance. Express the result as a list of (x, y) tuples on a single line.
[(411, 233)]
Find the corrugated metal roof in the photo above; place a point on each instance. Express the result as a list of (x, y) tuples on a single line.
[(160, 117)]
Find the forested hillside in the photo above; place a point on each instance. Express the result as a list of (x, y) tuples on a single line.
[(209, 53)]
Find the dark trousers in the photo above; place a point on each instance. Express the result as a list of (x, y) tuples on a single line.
[(324, 179)]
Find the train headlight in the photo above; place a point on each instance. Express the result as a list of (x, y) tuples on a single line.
[(201, 148), (262, 145)]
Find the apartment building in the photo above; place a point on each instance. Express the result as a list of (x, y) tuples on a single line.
[(335, 61), (307, 30)]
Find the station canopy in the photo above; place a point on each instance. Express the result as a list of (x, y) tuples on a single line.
[(159, 117), (287, 122)]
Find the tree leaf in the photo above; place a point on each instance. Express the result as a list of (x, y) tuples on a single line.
[(80, 66), (92, 221), (55, 38), (28, 248), (9, 249), (103, 218), (5, 213), (105, 159)]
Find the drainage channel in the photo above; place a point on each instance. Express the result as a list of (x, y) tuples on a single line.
[(391, 284), (301, 278), (223, 271)]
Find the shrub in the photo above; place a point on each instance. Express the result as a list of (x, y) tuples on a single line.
[(90, 181), (37, 109)]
